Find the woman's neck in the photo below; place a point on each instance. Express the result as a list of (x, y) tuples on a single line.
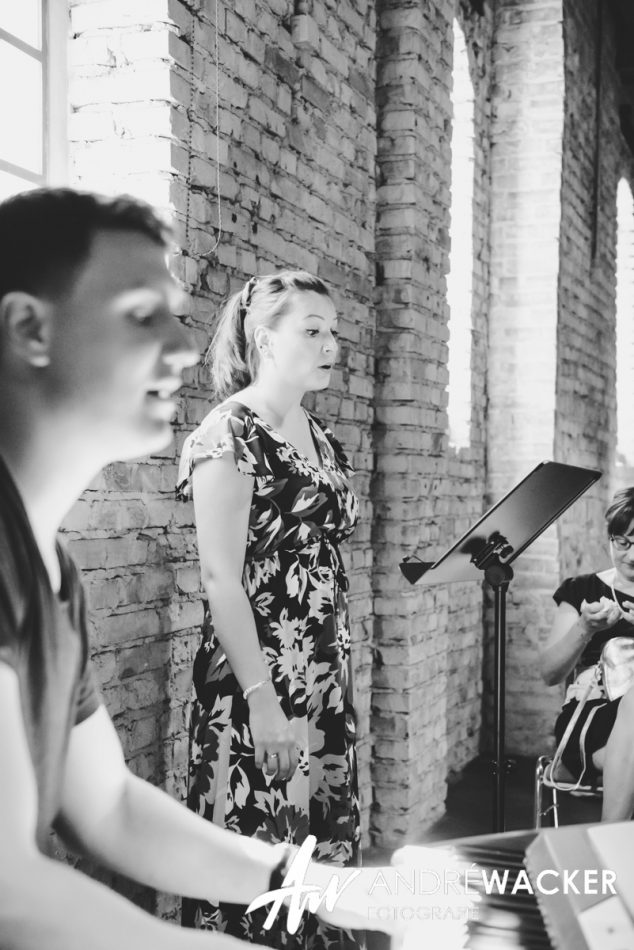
[(276, 407), (619, 582)]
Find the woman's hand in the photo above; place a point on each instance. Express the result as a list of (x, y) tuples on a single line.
[(627, 611), (598, 615), (273, 735)]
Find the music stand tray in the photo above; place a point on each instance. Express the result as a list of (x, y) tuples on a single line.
[(489, 548)]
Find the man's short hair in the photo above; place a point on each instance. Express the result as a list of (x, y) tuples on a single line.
[(46, 235)]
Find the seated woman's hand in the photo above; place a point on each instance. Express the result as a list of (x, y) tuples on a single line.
[(273, 735), (627, 611), (599, 615)]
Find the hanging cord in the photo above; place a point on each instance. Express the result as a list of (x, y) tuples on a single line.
[(190, 133), (218, 136), (194, 46)]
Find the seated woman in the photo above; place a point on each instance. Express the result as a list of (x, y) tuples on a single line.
[(592, 609)]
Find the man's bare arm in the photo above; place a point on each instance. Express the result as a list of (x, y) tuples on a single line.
[(136, 829), (44, 903)]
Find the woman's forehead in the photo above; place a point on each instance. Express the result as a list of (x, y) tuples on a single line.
[(308, 303)]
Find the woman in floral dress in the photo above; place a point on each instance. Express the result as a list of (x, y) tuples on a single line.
[(273, 727)]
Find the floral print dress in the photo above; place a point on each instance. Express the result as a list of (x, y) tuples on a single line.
[(296, 584)]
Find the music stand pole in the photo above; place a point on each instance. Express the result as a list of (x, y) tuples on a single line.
[(498, 577)]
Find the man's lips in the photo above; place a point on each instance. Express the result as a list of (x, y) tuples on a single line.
[(164, 389)]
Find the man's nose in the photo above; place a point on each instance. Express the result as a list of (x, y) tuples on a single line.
[(180, 350)]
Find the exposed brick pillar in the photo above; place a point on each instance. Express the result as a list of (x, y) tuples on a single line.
[(296, 152), (594, 160), (410, 677), (120, 96), (132, 539), (527, 130)]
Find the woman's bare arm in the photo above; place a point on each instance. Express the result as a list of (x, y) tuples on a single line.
[(570, 634), (222, 501)]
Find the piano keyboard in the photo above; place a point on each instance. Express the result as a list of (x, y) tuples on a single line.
[(503, 921), (498, 921)]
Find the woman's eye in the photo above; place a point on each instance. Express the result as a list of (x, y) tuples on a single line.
[(312, 332), (335, 334)]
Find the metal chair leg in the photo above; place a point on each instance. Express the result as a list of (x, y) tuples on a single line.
[(539, 792), (555, 807), (541, 812)]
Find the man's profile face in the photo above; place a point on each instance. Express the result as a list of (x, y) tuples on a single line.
[(117, 351)]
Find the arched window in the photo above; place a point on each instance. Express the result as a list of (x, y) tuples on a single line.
[(33, 94), (460, 277), (625, 331)]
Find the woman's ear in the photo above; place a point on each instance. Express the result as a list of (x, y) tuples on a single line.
[(262, 340), (25, 323)]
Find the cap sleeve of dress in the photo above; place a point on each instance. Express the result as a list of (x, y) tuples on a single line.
[(227, 430), (574, 590)]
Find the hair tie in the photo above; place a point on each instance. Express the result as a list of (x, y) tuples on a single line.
[(245, 297)]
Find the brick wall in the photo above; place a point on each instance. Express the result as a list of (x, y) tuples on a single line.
[(297, 121), (426, 695), (296, 172), (551, 329), (594, 162), (525, 215), (466, 468), (129, 535), (332, 152)]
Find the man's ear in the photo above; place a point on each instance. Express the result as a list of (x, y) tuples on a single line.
[(26, 327)]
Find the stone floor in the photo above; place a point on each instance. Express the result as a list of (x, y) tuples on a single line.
[(470, 806)]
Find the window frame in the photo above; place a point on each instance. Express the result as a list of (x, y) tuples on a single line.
[(53, 59)]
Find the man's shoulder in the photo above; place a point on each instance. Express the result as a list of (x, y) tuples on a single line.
[(16, 568)]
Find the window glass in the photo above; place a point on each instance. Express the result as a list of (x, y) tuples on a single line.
[(460, 276), (625, 334), (23, 19), (21, 116), (11, 184)]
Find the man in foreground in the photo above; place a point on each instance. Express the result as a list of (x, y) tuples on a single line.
[(90, 357)]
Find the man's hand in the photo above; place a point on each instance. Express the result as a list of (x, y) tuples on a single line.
[(422, 900)]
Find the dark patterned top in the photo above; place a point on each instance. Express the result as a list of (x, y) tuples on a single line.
[(44, 638), (299, 515), (591, 588)]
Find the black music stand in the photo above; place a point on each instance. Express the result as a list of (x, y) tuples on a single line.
[(489, 548)]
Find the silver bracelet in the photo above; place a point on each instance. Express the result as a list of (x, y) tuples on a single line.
[(251, 689)]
